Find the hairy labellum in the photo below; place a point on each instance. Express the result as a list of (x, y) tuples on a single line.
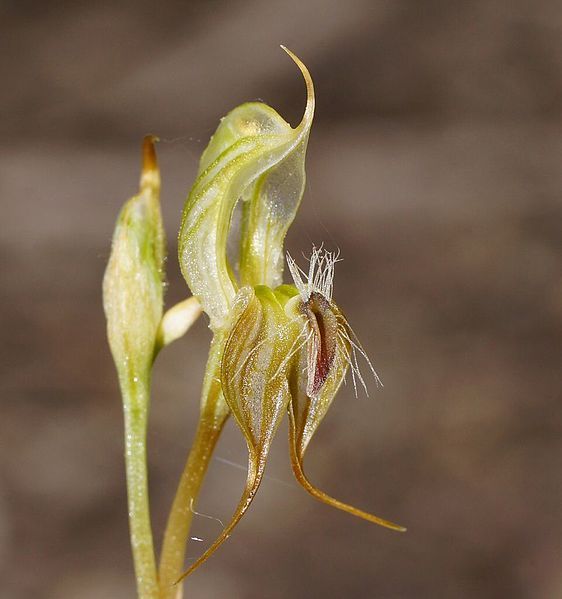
[(319, 373), (322, 346)]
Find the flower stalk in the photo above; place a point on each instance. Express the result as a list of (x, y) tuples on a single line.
[(135, 397), (214, 413)]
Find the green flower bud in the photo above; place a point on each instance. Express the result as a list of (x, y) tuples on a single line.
[(133, 285), (257, 156), (133, 290)]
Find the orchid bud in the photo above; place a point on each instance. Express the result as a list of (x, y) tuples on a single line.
[(133, 290), (133, 285), (257, 156)]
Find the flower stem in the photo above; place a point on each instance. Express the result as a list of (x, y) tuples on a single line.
[(214, 413), (136, 394)]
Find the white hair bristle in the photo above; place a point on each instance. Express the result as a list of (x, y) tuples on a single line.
[(320, 276), (320, 279)]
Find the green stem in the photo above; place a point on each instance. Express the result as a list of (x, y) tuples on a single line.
[(136, 394), (214, 413)]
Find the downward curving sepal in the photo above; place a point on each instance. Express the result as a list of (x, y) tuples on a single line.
[(257, 156), (255, 362)]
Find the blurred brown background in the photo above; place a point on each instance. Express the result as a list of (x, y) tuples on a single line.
[(434, 165)]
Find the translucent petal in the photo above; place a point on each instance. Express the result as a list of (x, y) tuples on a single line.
[(271, 206), (254, 154)]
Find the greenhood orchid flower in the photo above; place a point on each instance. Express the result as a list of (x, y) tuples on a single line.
[(284, 348), (277, 348)]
